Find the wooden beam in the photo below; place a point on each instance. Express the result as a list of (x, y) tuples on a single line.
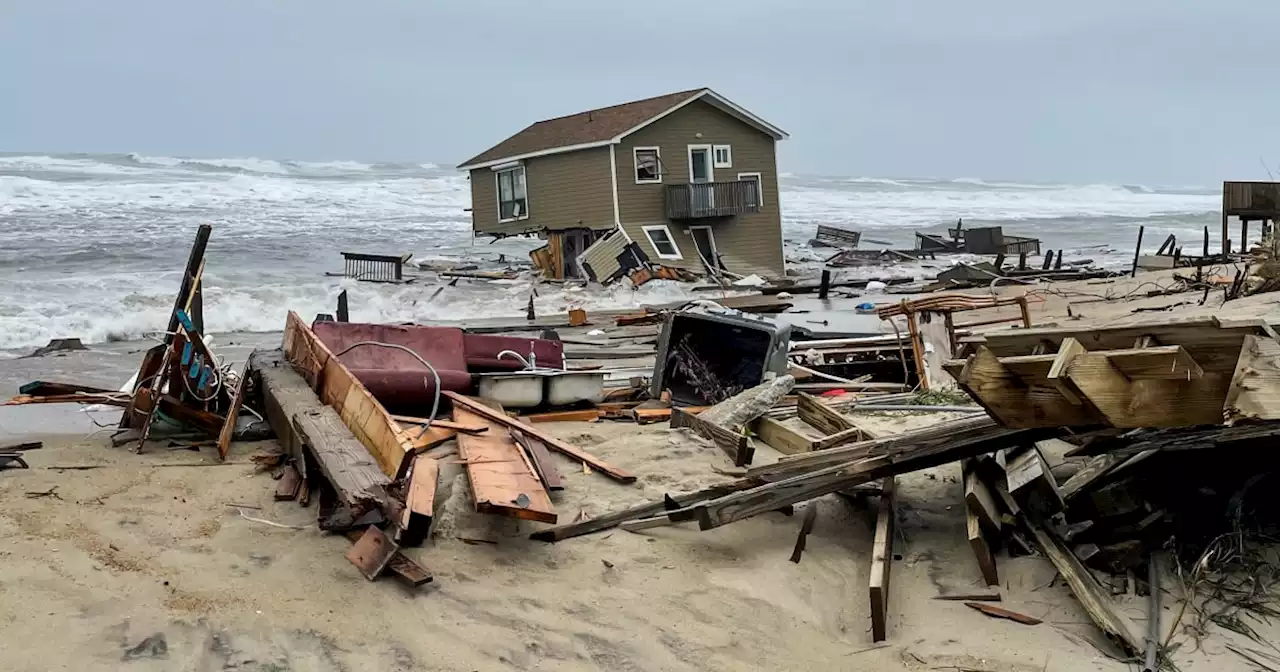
[(979, 501), (611, 520), (372, 552), (781, 437), (537, 453), (1057, 375), (229, 427), (354, 475), (552, 442), (881, 561), (981, 551), (419, 502), (736, 446), (563, 416), (340, 390), (446, 424), (1254, 393), (1097, 602), (503, 482)]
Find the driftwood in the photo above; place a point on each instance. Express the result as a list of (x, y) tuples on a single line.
[(749, 404)]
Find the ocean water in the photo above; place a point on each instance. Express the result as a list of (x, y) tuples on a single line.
[(92, 245)]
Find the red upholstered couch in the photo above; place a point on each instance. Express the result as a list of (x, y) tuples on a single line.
[(403, 385)]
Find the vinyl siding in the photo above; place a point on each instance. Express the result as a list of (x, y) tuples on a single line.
[(602, 256), (747, 243), (565, 191)]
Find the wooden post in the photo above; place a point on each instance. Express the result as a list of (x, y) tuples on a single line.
[(881, 560), (1244, 235), (1225, 249), (1048, 261), (1137, 250), (343, 314), (1026, 313), (917, 349), (1022, 261), (1057, 261), (826, 284), (999, 263)]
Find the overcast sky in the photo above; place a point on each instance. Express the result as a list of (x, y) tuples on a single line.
[(1151, 91)]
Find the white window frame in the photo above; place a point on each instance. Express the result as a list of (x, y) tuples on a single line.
[(648, 233), (635, 164), (759, 186), (711, 161), (497, 191), (715, 158)]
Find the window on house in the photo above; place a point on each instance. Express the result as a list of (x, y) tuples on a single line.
[(755, 197), (663, 243), (648, 165), (513, 201), (723, 156)]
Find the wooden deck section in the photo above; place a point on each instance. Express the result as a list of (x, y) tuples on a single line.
[(1158, 374)]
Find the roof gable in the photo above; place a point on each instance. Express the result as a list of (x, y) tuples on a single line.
[(603, 126)]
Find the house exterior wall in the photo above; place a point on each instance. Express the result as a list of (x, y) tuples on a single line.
[(565, 191), (750, 243)]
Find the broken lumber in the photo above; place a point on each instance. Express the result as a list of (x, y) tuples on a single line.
[(503, 482), (981, 550), (780, 437), (1254, 393), (810, 517), (736, 446), (827, 419), (541, 460), (552, 442), (372, 552), (345, 463), (444, 424), (233, 414), (611, 520), (742, 408), (881, 561), (1000, 612), (1114, 623), (419, 502), (586, 415), (400, 564), (288, 486)]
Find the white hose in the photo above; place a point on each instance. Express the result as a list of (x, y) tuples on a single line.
[(435, 402)]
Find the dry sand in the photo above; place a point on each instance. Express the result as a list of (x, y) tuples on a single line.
[(146, 565)]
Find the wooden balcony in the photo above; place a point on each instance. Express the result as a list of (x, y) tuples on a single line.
[(712, 199)]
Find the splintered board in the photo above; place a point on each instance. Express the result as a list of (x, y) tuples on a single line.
[(339, 389), (503, 481)]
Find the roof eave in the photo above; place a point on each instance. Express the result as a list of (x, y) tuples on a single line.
[(533, 155)]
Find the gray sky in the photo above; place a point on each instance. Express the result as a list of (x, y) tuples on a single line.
[(1150, 91)]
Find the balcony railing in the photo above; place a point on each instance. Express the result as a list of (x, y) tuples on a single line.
[(712, 199)]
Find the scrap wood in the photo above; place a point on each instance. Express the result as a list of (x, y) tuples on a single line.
[(737, 446), (288, 486), (742, 408), (552, 442), (810, 516), (882, 560), (444, 424), (541, 460), (233, 414), (586, 415), (1114, 623), (992, 596), (109, 399), (1001, 612), (17, 447), (372, 552), (611, 520), (503, 480), (419, 501), (345, 463)]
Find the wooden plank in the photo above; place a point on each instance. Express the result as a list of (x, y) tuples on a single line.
[(284, 393), (229, 427), (541, 460), (503, 482), (1254, 393), (400, 565), (420, 441), (1096, 601), (1166, 362), (810, 517), (1000, 612), (1096, 468), (419, 501), (372, 553), (563, 416), (823, 417), (1029, 367), (339, 389), (981, 551), (907, 457), (881, 561), (781, 437), (343, 461), (736, 446), (980, 502), (288, 486), (611, 520), (445, 424), (552, 442), (1031, 482)]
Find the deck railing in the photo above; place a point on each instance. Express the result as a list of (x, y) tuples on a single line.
[(712, 199)]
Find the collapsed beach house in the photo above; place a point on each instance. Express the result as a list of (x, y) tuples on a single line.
[(686, 181)]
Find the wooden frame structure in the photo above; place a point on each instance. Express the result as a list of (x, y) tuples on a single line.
[(1249, 201), (1156, 374)]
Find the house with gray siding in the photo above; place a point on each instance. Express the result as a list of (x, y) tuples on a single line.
[(687, 180)]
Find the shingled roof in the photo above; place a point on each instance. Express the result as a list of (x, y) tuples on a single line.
[(596, 127)]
